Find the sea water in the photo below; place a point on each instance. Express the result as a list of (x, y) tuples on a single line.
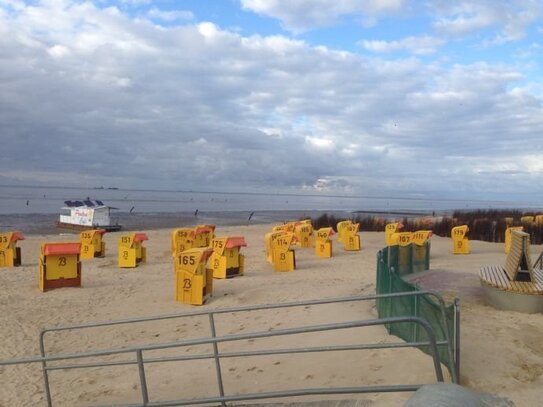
[(38, 207)]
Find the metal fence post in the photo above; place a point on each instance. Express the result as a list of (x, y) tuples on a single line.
[(217, 359), (45, 373), (143, 381), (416, 311), (457, 337)]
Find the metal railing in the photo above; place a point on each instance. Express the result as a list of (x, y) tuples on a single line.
[(214, 340)]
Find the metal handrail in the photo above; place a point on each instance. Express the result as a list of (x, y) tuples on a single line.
[(230, 310), (453, 352), (140, 361), (217, 356)]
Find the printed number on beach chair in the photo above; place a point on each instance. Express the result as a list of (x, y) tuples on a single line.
[(203, 235), (351, 239), (193, 280), (268, 240), (420, 237), (10, 254), (226, 260), (303, 231), (460, 241), (508, 234), (59, 266), (390, 230), (131, 250), (420, 249), (182, 239), (287, 227), (283, 258), (401, 239), (91, 244), (323, 244), (340, 227)]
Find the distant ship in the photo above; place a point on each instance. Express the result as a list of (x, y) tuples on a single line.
[(86, 214)]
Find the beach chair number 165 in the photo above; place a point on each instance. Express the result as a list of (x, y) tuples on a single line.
[(188, 260)]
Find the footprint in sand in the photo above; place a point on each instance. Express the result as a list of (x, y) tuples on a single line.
[(252, 368)]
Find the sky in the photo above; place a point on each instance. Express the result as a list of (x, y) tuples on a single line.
[(434, 99)]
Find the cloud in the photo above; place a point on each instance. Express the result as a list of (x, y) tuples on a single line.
[(303, 15), (499, 20), (172, 15), (496, 21), (320, 143), (417, 45), (95, 94)]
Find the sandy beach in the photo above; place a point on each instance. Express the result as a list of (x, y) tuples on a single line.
[(501, 352)]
